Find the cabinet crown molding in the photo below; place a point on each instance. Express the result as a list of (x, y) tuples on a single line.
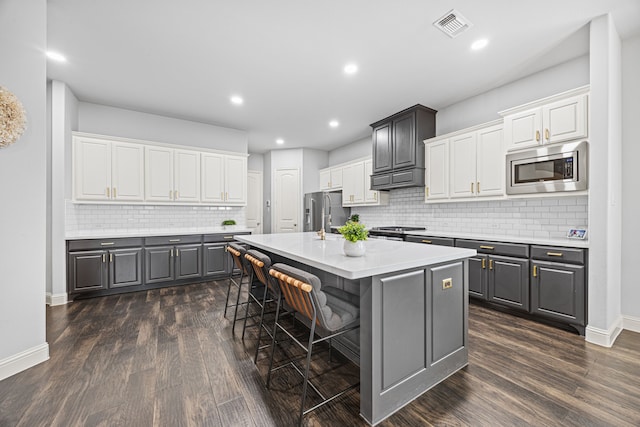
[(542, 101), (347, 163), (474, 128)]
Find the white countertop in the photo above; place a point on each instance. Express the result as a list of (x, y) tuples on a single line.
[(570, 243), (114, 234), (382, 256)]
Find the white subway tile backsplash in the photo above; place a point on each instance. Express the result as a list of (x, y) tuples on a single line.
[(82, 218), (548, 217)]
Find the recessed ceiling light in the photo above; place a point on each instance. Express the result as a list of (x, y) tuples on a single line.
[(279, 141), (479, 44), (334, 123), (237, 100), (56, 56), (350, 69)]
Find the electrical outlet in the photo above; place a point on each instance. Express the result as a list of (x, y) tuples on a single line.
[(447, 283)]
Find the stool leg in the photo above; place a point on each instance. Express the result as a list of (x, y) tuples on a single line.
[(246, 310), (226, 303), (306, 371), (264, 302), (273, 339), (235, 314)]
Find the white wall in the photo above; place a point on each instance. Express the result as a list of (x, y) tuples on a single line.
[(101, 119), (629, 200), (313, 161), (23, 195), (351, 151), (604, 305), (255, 162), (484, 107)]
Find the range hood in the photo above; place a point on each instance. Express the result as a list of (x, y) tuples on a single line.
[(398, 148)]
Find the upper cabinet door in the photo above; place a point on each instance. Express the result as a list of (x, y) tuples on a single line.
[(325, 179), (490, 162), (382, 148), (523, 129), (127, 171), (236, 180), (463, 165), (212, 178), (187, 176), (404, 141), (91, 169), (159, 174), (336, 178), (565, 120), (437, 161), (370, 196)]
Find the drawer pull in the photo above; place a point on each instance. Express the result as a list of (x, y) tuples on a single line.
[(171, 253), (487, 247), (110, 257), (426, 241), (104, 258), (228, 237), (107, 243), (490, 264), (535, 271), (554, 253), (484, 263), (177, 252), (174, 240)]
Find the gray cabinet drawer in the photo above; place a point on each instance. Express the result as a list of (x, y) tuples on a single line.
[(222, 237), (91, 244), (442, 241), (413, 176), (558, 254), (172, 240), (484, 247)]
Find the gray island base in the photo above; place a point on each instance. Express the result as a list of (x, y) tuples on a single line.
[(413, 310)]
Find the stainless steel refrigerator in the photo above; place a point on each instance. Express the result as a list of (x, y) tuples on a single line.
[(334, 213)]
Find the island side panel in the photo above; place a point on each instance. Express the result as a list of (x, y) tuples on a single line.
[(413, 335)]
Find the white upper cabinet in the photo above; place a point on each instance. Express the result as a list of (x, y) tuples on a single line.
[(437, 173), (159, 174), (186, 179), (370, 196), (560, 118), (224, 179), (104, 170), (331, 179), (466, 164), (353, 184)]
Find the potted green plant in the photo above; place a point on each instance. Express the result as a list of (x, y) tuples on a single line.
[(354, 233), (228, 222)]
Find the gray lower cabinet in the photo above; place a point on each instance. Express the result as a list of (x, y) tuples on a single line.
[(478, 277), (558, 284), (159, 264), (508, 281), (429, 240), (176, 258), (93, 267), (216, 259)]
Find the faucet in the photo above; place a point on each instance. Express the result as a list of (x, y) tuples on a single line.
[(322, 233)]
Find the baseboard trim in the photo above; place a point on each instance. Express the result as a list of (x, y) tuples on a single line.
[(604, 337), (23, 360), (631, 323), (56, 299)]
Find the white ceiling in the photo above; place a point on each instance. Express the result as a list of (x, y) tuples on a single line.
[(186, 58)]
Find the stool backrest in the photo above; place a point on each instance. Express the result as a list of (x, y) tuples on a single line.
[(261, 264), (296, 293), (237, 253)]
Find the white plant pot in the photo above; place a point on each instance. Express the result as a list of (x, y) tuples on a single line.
[(354, 248)]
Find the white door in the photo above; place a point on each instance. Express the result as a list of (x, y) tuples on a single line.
[(287, 201), (158, 174), (235, 180), (565, 120), (437, 161), (187, 175), (254, 202), (463, 165), (127, 171), (491, 161), (92, 169), (212, 178)]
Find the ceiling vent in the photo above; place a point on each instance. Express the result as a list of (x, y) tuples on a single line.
[(452, 23)]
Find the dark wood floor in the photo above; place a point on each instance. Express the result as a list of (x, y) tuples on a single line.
[(167, 357)]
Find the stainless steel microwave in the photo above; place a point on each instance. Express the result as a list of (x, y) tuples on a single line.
[(559, 167)]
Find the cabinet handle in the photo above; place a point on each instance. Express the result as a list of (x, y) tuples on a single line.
[(114, 192), (537, 136), (174, 240), (108, 193), (478, 187), (375, 196), (107, 243), (484, 263), (329, 184), (546, 134), (487, 247), (175, 195), (554, 253), (472, 188), (426, 241), (170, 195), (535, 271), (426, 192), (222, 195), (490, 264), (104, 258), (177, 252), (171, 255), (110, 257), (226, 196)]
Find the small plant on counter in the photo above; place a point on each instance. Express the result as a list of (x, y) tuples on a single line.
[(354, 218), (229, 222), (354, 231)]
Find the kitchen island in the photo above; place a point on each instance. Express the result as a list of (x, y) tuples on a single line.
[(413, 310)]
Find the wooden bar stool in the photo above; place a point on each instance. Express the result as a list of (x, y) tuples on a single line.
[(331, 313), (237, 254)]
